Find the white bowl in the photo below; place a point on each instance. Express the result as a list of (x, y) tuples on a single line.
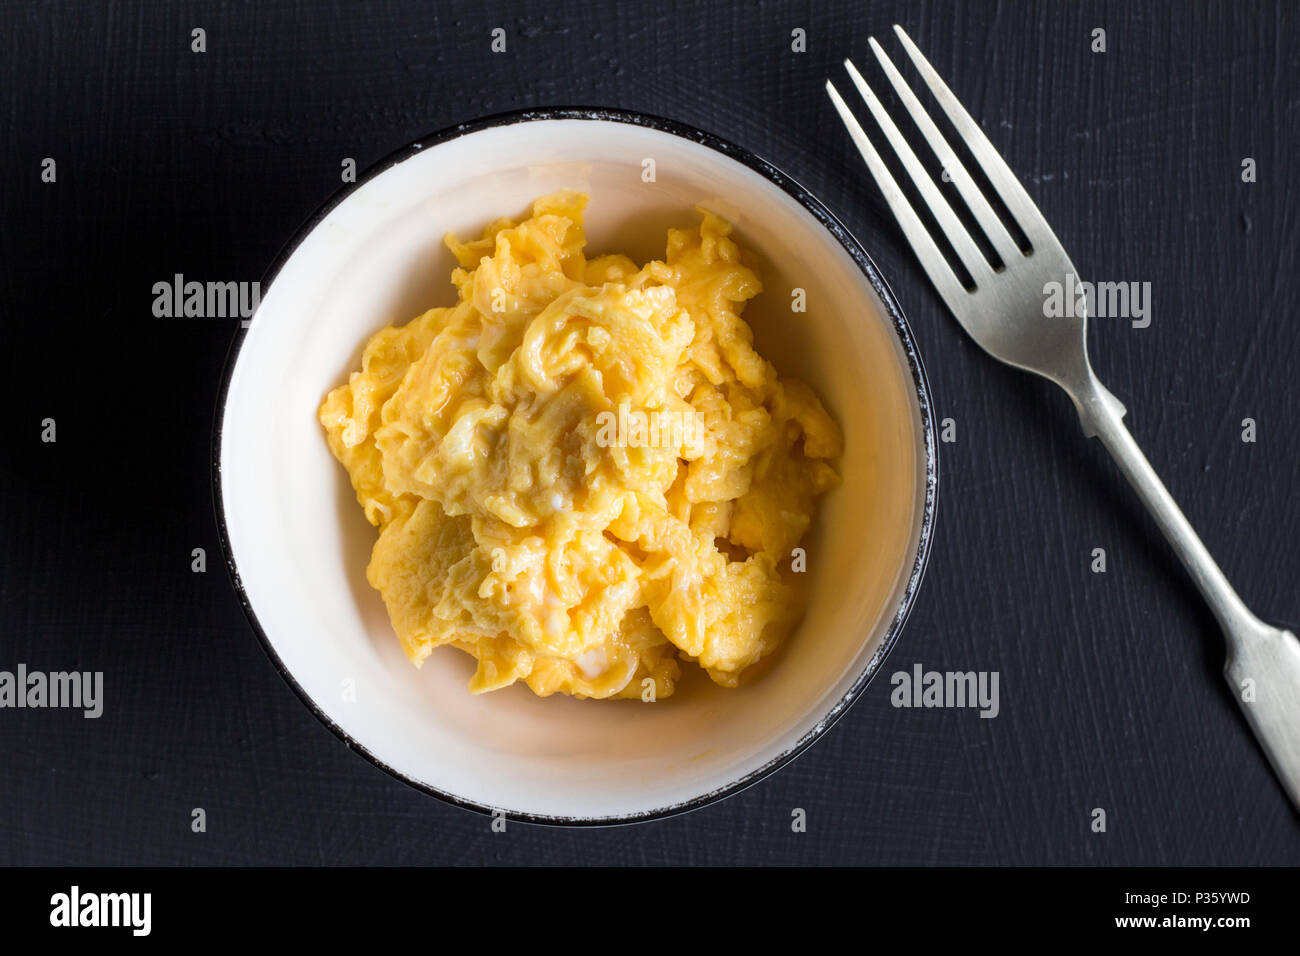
[(297, 544)]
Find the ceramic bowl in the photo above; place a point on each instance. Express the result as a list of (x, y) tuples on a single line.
[(297, 544)]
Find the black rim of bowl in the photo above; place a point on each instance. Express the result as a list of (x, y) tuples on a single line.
[(855, 251)]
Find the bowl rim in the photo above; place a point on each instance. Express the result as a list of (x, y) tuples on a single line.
[(831, 223)]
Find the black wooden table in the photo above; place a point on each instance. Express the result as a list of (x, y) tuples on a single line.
[(171, 161)]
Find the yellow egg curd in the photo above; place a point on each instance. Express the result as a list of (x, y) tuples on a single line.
[(582, 472)]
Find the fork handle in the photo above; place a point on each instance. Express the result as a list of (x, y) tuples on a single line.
[(1102, 416), (1263, 664)]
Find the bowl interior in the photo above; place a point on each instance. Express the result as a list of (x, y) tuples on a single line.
[(300, 543)]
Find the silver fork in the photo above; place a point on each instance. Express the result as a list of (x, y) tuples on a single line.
[(1004, 313)]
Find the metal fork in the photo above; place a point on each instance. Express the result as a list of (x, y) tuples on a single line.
[(1004, 312)]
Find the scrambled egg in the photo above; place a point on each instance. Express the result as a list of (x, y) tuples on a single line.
[(582, 473)]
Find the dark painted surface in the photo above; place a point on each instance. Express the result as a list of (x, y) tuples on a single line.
[(203, 164)]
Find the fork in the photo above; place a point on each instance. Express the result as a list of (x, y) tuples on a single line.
[(1002, 307)]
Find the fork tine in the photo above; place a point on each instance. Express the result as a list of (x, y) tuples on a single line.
[(988, 220), (932, 260), (1023, 208), (951, 226)]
